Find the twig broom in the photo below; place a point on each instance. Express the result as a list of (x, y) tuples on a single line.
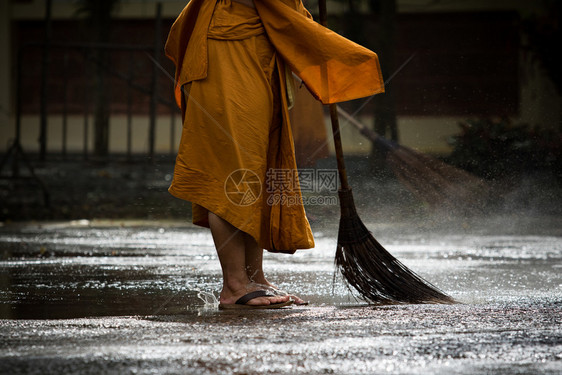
[(435, 182), (363, 261)]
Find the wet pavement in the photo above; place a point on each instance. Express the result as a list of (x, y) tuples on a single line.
[(139, 297)]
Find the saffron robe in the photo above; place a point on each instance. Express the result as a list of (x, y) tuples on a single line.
[(309, 128), (236, 156)]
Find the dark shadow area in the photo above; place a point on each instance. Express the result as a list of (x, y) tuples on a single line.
[(138, 190)]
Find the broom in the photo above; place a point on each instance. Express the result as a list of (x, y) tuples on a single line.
[(432, 180), (363, 261)]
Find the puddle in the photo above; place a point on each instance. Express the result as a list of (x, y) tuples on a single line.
[(142, 299)]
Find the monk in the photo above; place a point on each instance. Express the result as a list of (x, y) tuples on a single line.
[(236, 160)]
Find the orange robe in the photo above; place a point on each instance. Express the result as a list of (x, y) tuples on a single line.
[(236, 156), (309, 128)]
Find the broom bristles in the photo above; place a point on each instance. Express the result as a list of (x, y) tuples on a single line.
[(368, 267), (436, 182), (432, 180)]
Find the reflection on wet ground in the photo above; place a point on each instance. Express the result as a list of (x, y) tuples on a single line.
[(106, 297)]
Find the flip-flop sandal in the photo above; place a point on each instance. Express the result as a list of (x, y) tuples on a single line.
[(241, 303), (278, 292)]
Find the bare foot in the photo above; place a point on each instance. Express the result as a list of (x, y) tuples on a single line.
[(230, 296), (264, 284)]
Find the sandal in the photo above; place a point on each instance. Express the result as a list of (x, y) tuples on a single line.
[(241, 303)]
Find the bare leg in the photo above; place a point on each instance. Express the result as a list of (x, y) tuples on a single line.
[(254, 266), (231, 250), (254, 260)]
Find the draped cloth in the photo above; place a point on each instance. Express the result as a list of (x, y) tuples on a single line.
[(236, 156), (309, 128)]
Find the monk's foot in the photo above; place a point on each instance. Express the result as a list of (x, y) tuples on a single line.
[(264, 284), (229, 296)]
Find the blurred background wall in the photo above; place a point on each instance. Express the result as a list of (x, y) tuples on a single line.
[(464, 59)]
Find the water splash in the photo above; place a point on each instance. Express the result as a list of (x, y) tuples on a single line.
[(209, 298)]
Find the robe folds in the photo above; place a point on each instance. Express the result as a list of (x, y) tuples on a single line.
[(236, 156)]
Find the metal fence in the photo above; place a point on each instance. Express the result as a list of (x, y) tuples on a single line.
[(156, 99)]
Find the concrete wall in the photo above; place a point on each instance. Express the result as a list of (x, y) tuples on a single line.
[(540, 104), (118, 134)]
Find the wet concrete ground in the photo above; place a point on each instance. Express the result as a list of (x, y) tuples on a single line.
[(129, 297)]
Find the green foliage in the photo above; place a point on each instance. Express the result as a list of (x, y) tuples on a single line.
[(496, 148)]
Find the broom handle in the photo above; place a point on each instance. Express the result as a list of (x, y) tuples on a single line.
[(338, 147), (344, 185), (371, 135), (384, 144)]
